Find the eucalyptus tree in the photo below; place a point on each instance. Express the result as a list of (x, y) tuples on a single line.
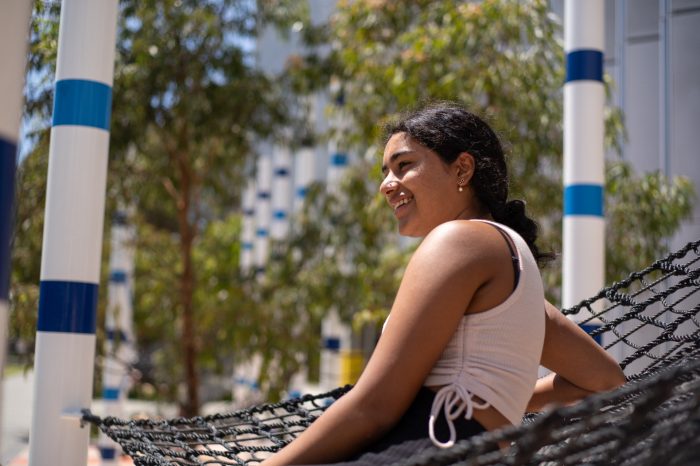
[(188, 106), (504, 60)]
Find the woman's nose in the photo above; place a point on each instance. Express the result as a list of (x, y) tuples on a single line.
[(388, 185)]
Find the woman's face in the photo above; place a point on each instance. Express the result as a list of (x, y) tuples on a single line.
[(420, 188)]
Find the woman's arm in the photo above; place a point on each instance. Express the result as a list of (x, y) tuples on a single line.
[(580, 366), (437, 287)]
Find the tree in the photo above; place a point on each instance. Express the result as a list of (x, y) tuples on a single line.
[(338, 256), (188, 106), (501, 58), (504, 60), (181, 139)]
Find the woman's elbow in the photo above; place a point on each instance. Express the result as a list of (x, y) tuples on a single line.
[(610, 379), (617, 379)]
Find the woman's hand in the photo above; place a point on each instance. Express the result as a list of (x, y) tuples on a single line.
[(580, 366)]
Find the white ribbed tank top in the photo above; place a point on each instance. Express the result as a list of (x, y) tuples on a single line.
[(494, 354)]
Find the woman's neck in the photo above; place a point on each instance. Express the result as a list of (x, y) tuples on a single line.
[(472, 212)]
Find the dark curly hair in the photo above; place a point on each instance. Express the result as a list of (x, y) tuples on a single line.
[(448, 129)]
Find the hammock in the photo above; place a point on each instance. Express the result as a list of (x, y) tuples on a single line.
[(650, 321)]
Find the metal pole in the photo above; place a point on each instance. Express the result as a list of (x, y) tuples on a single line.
[(248, 227), (70, 266), (336, 336), (303, 175), (620, 59), (665, 83), (120, 353), (338, 157), (281, 193), (263, 210), (584, 159), (14, 28)]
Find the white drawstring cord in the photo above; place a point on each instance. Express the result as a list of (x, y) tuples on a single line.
[(453, 399)]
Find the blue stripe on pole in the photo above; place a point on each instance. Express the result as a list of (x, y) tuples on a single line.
[(260, 270), (108, 453), (112, 334), (339, 160), (588, 328), (263, 195), (117, 276), (261, 232), (301, 192), (67, 307), (8, 164), (110, 393), (83, 103), (247, 382), (247, 246), (249, 212), (282, 171), (119, 218), (584, 65), (331, 343), (280, 214), (583, 199)]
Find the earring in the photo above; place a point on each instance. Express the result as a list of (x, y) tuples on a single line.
[(459, 185)]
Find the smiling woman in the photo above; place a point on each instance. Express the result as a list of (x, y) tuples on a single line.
[(469, 326)]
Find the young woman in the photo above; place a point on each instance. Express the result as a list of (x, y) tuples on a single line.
[(469, 327)]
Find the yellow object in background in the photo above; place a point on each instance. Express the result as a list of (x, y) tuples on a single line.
[(351, 365)]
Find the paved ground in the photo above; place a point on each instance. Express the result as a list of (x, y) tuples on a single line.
[(16, 415), (16, 412)]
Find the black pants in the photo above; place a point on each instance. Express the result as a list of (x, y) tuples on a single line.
[(410, 435), (414, 424)]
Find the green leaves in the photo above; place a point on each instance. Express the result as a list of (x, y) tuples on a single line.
[(503, 59), (643, 213), (340, 256), (188, 108)]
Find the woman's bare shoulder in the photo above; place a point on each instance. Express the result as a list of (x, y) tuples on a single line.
[(465, 240)]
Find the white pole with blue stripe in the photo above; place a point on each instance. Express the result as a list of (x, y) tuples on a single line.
[(70, 264), (304, 168), (263, 210), (248, 227), (120, 353), (14, 30), (584, 158), (338, 162), (335, 334), (281, 193)]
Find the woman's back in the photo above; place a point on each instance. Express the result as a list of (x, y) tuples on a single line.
[(494, 354)]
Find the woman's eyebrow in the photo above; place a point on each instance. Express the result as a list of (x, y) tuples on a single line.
[(395, 156)]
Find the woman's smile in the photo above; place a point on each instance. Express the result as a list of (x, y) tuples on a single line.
[(401, 206)]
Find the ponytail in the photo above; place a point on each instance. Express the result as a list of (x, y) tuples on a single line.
[(512, 214)]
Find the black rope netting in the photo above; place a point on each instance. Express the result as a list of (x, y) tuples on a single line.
[(649, 322)]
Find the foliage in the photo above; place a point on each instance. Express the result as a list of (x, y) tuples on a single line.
[(188, 106), (643, 213), (504, 60), (339, 257)]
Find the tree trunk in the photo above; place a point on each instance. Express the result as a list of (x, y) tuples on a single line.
[(190, 406), (188, 232)]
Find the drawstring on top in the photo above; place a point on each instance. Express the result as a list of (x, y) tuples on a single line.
[(453, 399)]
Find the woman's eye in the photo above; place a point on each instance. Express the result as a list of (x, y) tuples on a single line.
[(403, 165)]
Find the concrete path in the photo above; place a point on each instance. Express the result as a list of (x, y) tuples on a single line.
[(16, 415)]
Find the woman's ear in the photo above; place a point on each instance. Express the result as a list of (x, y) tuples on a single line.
[(465, 166)]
